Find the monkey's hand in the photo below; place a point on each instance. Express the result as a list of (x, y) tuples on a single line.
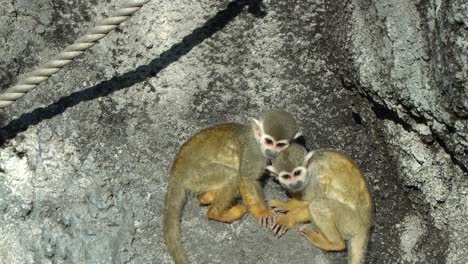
[(282, 225), (266, 216), (295, 216), (279, 207), (268, 220)]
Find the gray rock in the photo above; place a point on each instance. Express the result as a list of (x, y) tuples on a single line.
[(84, 158)]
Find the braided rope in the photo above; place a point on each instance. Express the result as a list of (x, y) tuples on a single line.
[(44, 71)]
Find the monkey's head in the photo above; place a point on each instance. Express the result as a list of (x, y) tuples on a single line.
[(274, 131), (290, 168)]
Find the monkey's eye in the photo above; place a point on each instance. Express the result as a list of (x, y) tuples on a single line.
[(281, 145), (297, 173), (268, 141), (286, 176)]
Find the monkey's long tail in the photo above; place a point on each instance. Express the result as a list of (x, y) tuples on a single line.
[(175, 199), (357, 248)]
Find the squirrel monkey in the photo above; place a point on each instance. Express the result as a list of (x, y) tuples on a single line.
[(220, 164), (328, 189)]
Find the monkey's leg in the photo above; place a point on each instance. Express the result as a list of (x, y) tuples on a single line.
[(290, 219), (320, 241), (229, 215), (325, 214), (221, 208), (206, 198)]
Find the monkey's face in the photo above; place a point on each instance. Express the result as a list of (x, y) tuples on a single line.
[(293, 181), (270, 147), (290, 168)]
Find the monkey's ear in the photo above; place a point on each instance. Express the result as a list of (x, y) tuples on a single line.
[(308, 158), (298, 134), (258, 128), (272, 170)]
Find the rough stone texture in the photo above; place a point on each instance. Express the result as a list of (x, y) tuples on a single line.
[(85, 157)]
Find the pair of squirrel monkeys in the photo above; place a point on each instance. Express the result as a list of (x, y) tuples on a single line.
[(225, 162)]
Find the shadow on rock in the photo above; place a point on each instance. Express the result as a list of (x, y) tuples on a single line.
[(141, 73)]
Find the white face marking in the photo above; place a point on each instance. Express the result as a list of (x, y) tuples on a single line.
[(298, 134), (294, 180), (308, 157)]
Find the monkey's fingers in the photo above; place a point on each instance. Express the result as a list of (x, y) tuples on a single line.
[(304, 231), (273, 220), (278, 210), (283, 231), (279, 230), (275, 228), (267, 221)]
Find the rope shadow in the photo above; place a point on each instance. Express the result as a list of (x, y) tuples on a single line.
[(141, 73)]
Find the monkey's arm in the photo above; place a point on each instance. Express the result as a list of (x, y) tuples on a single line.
[(251, 170), (292, 204), (252, 195)]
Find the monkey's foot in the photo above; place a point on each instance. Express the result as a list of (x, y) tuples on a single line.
[(232, 214), (318, 240), (206, 198), (279, 207)]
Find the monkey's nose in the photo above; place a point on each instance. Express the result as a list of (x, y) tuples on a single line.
[(296, 185), (271, 153)]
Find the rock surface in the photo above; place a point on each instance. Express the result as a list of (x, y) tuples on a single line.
[(84, 158)]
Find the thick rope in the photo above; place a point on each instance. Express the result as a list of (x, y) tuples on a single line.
[(44, 71)]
